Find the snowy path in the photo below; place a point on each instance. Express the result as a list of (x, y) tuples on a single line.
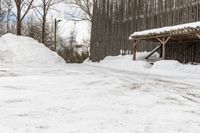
[(91, 99)]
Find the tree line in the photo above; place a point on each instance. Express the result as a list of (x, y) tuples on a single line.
[(29, 18)]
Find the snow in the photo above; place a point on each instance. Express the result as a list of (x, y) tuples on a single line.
[(170, 67), (17, 49), (123, 63), (165, 29), (43, 95), (92, 99), (160, 67)]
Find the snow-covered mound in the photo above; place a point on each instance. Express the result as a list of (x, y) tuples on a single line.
[(143, 55), (163, 67), (166, 65), (171, 67), (125, 63), (17, 49)]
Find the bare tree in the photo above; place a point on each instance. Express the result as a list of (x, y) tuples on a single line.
[(33, 28), (86, 6), (72, 39), (0, 6), (8, 4), (42, 11), (22, 5), (2, 17)]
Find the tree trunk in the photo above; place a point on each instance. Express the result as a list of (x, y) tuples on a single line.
[(43, 29), (8, 21), (19, 22)]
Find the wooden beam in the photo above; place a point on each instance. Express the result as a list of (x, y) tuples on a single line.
[(164, 41), (153, 51), (159, 40), (198, 35), (150, 37)]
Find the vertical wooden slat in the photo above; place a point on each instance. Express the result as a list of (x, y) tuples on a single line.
[(114, 20)]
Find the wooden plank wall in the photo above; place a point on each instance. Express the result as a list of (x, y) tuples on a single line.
[(114, 20)]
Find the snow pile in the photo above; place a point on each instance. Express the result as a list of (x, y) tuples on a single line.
[(17, 49), (143, 55), (166, 64), (163, 67), (125, 63), (166, 29), (170, 67)]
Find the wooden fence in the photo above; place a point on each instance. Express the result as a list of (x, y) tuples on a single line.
[(114, 20)]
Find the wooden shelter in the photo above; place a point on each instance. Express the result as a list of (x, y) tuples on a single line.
[(114, 20), (171, 34)]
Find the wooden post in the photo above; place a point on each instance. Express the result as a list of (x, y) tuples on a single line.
[(161, 50), (163, 42), (135, 42), (164, 51)]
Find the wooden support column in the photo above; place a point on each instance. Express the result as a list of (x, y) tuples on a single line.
[(163, 41), (135, 43), (161, 49)]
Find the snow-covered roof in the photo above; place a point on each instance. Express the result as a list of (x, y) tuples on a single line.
[(169, 30)]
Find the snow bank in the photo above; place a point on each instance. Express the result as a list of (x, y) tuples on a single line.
[(163, 67), (171, 67), (143, 55), (17, 49), (125, 63), (166, 65)]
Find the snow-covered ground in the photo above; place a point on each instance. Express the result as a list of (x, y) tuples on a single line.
[(93, 99), (44, 95)]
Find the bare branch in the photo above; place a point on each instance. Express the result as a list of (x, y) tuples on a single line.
[(30, 4), (85, 5)]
